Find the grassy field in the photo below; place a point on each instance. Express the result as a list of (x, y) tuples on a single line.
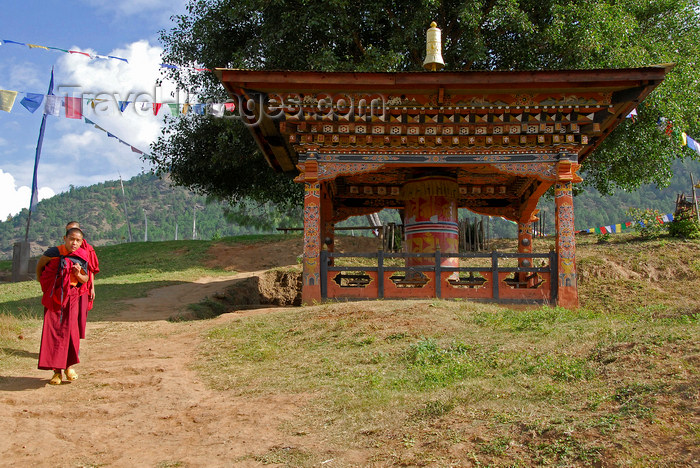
[(441, 383)]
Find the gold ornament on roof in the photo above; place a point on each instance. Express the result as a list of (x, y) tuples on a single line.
[(433, 49)]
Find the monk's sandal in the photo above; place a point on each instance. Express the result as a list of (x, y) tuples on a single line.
[(71, 375), (56, 379)]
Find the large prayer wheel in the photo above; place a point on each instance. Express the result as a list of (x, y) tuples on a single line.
[(431, 218)]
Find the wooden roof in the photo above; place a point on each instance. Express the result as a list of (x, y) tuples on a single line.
[(594, 101), (501, 134)]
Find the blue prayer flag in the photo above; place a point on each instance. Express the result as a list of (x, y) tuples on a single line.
[(32, 101)]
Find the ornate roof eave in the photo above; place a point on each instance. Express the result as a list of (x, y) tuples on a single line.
[(628, 87)]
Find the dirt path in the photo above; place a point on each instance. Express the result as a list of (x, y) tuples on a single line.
[(138, 402)]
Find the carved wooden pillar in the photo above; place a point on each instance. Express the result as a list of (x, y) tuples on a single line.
[(311, 276), (566, 245)]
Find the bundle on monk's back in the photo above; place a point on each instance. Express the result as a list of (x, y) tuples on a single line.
[(57, 277)]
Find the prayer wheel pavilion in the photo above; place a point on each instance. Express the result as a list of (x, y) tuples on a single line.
[(428, 143)]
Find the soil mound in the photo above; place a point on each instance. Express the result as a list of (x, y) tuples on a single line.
[(275, 287)]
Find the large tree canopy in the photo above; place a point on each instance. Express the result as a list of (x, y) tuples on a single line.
[(219, 157)]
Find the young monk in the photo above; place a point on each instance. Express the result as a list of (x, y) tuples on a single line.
[(86, 301), (63, 274)]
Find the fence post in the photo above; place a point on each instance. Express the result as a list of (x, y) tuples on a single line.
[(438, 272), (380, 274), (494, 272), (554, 275), (324, 274)]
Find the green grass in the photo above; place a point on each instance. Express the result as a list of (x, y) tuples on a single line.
[(5, 265), (425, 366)]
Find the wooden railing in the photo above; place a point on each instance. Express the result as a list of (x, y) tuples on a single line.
[(491, 282)]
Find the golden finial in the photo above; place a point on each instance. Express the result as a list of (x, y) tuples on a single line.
[(433, 49)]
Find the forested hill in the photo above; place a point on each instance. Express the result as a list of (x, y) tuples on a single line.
[(100, 210), (166, 209)]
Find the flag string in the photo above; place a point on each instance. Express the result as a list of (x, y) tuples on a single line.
[(91, 56)]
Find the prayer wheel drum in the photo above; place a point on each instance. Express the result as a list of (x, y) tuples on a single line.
[(431, 218)]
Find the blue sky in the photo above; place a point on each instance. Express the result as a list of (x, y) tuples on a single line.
[(75, 153)]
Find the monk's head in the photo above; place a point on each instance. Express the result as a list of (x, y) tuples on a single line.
[(73, 239), (72, 224)]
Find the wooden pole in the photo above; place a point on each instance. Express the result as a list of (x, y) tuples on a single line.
[(695, 199)]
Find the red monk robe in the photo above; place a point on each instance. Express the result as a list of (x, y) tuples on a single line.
[(60, 336), (86, 301)]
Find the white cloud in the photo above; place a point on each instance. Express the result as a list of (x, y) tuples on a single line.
[(13, 199), (25, 76), (92, 155)]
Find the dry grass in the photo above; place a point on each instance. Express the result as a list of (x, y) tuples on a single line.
[(439, 383)]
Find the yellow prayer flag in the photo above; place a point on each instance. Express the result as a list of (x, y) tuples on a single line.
[(35, 46), (618, 228), (7, 99), (185, 108)]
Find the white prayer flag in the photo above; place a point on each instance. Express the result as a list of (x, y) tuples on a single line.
[(53, 105)]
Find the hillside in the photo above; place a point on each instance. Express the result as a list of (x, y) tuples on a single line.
[(380, 383), (167, 210)]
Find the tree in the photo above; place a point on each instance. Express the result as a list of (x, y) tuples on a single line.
[(218, 157)]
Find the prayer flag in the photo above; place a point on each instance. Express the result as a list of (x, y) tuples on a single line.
[(199, 109), (618, 228), (118, 58), (88, 121), (74, 107), (35, 46), (59, 49), (78, 52), (135, 150), (32, 101), (174, 108), (122, 105), (7, 99), (6, 41), (156, 107), (217, 110), (167, 65), (684, 139), (186, 108), (53, 105), (111, 136), (692, 144), (230, 106), (100, 128)]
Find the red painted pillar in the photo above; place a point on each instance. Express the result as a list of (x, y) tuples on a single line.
[(566, 245), (311, 275), (431, 218)]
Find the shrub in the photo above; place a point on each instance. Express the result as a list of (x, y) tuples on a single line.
[(685, 225), (647, 222)]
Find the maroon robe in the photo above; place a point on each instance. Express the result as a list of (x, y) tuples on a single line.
[(85, 303), (60, 335)]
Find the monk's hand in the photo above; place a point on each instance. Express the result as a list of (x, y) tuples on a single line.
[(92, 294), (76, 268)]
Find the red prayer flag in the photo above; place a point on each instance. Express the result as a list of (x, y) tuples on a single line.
[(230, 106), (78, 52), (74, 107), (156, 107)]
